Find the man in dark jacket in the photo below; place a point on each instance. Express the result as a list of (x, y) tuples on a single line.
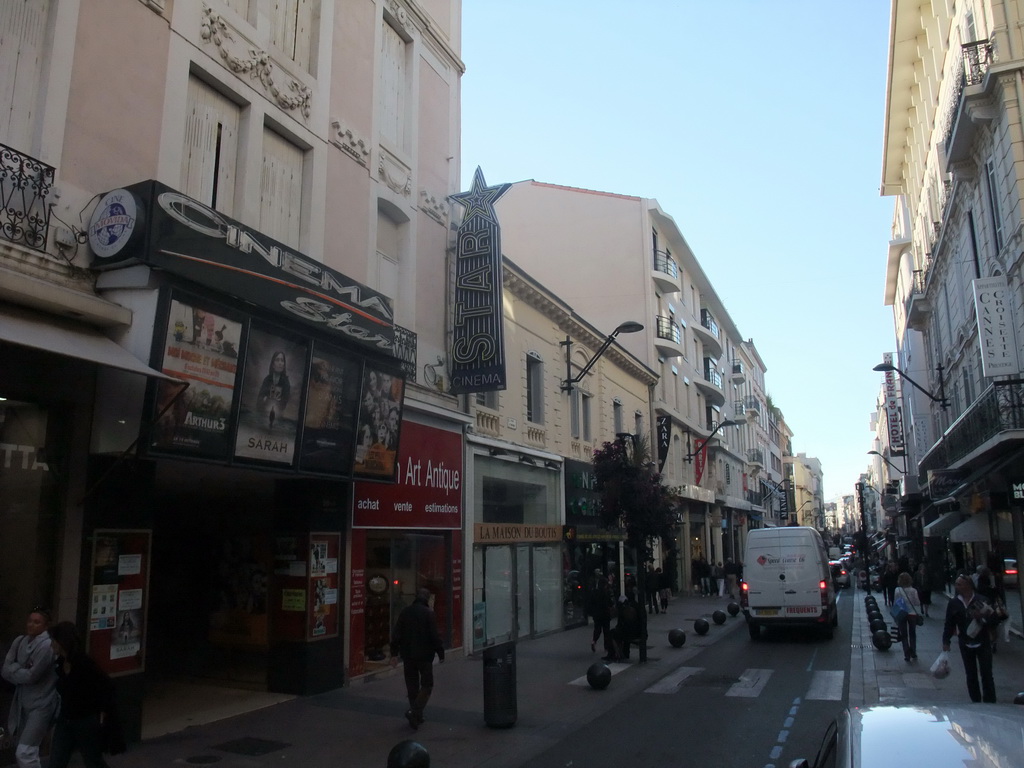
[(415, 638), (968, 616)]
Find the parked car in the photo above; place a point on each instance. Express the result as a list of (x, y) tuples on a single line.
[(1010, 572), (937, 736), (840, 573)]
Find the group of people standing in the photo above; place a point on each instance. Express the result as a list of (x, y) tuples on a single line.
[(715, 580), (603, 605), (57, 684)]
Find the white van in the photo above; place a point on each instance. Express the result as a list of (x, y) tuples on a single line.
[(787, 581)]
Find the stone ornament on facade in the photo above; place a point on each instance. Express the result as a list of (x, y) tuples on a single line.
[(255, 63), (435, 207), (346, 140), (393, 172)]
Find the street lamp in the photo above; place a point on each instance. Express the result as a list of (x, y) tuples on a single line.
[(630, 326), (700, 444), (886, 460), (941, 399)]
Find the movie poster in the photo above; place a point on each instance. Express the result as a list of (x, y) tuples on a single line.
[(331, 397), (268, 419), (380, 421), (201, 347)]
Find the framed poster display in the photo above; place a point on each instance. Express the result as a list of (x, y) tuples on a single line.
[(119, 592), (379, 424), (268, 417), (322, 620), (329, 423), (200, 345)]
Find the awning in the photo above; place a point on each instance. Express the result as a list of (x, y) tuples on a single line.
[(976, 528), (52, 334), (942, 525)]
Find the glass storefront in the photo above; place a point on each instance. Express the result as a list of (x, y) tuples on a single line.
[(518, 585)]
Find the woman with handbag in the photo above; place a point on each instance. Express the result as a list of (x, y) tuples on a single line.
[(907, 611)]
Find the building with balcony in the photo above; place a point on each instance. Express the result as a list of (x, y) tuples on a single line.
[(805, 485), (953, 272), (619, 257), (223, 244), (529, 466)]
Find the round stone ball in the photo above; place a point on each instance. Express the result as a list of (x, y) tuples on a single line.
[(701, 626), (718, 617), (733, 609), (408, 754), (878, 626), (676, 638), (881, 640), (599, 676)]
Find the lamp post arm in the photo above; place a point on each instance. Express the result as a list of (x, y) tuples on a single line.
[(570, 380)]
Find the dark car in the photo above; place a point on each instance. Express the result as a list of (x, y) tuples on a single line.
[(937, 736)]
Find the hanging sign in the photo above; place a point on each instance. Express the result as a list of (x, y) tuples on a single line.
[(995, 327)]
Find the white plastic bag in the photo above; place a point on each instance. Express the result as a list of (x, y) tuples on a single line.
[(940, 667)]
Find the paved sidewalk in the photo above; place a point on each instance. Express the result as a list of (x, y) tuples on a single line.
[(358, 725), (883, 677)]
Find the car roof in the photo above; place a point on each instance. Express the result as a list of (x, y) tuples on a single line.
[(938, 736)]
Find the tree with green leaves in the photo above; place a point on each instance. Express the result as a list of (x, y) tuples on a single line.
[(633, 497)]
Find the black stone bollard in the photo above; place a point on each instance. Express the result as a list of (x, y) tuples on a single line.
[(701, 626), (882, 640), (676, 638), (408, 754), (1019, 698), (599, 676), (733, 609), (718, 617)]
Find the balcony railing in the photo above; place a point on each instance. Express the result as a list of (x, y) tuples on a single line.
[(737, 368), (667, 329), (972, 64), (755, 456), (1000, 408), (712, 376), (739, 409), (665, 263), (708, 322), (751, 403), (25, 186)]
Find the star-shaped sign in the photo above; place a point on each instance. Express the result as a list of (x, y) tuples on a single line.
[(480, 200)]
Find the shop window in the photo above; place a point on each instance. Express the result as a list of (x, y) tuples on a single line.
[(617, 415), (585, 401), (281, 189), (487, 399), (210, 154)]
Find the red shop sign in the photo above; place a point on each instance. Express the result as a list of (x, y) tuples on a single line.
[(428, 493)]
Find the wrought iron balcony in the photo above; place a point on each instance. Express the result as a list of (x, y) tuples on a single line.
[(958, 128), (25, 186), (711, 375), (918, 308), (708, 322), (739, 410), (752, 405), (666, 329), (999, 409), (755, 456), (665, 263)]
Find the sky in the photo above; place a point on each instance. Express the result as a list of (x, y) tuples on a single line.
[(757, 125)]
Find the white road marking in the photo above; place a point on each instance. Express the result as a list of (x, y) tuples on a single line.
[(671, 683), (826, 685), (615, 667), (750, 684)]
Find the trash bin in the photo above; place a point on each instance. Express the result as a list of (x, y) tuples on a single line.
[(500, 685)]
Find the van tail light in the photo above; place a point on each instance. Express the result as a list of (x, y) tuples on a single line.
[(823, 589), (744, 598), (1010, 572)]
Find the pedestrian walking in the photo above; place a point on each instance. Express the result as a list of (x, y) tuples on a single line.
[(731, 577), (923, 585), (888, 582), (967, 616), (600, 608), (415, 639), (87, 721), (664, 589), (907, 618), (651, 590), (718, 574), (705, 576), (29, 667)]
